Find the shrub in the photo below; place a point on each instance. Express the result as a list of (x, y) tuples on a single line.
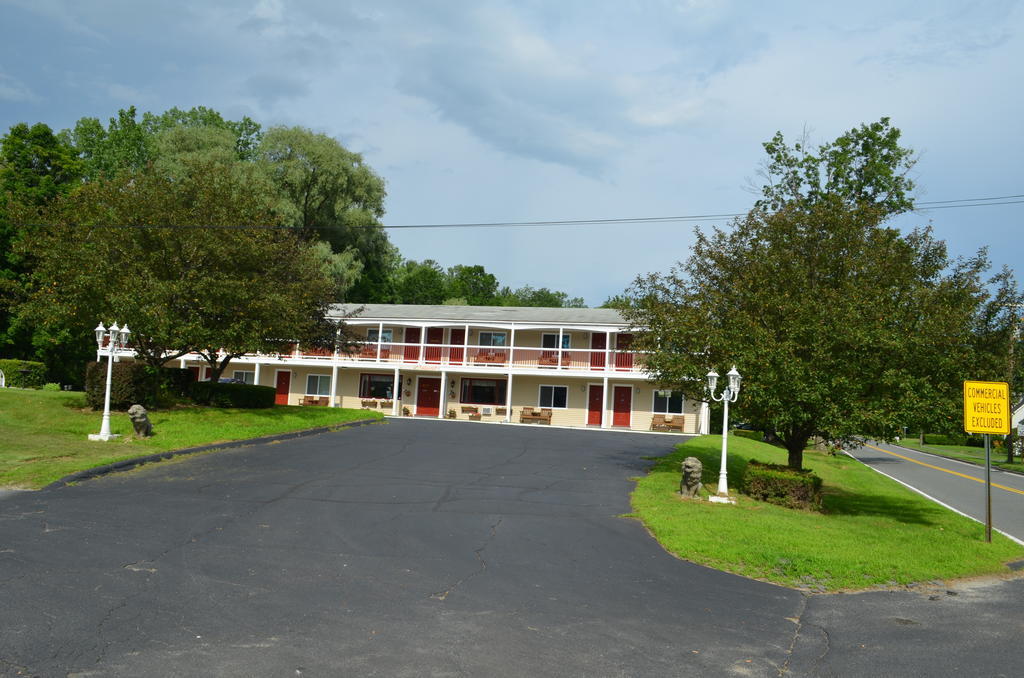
[(130, 383), (23, 373), (782, 485), (939, 439), (246, 396), (51, 387), (174, 383), (753, 435)]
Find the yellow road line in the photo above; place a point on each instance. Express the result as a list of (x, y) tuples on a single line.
[(945, 470)]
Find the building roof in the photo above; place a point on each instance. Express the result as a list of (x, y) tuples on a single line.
[(484, 314)]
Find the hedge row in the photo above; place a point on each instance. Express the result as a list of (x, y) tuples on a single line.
[(938, 439), (247, 396), (782, 485), (133, 383), (130, 383), (23, 373)]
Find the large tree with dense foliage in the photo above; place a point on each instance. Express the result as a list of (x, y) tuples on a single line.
[(195, 261), (839, 325), (328, 193), (35, 167)]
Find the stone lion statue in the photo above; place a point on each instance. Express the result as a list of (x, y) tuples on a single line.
[(140, 421), (690, 484)]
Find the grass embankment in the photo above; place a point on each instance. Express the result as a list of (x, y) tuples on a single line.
[(871, 532), (44, 433), (974, 455)]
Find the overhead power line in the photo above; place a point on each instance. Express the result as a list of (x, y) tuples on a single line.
[(924, 206)]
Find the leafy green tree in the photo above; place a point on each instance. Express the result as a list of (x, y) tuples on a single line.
[(245, 133), (123, 145), (864, 165), (472, 283), (194, 262), (35, 166), (328, 193), (530, 296), (617, 301), (421, 283), (840, 325)]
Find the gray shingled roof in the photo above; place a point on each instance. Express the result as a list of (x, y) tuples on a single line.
[(477, 314)]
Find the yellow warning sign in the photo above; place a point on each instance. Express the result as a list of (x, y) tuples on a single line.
[(987, 407)]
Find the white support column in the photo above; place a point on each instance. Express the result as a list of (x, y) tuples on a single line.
[(465, 346), (380, 336), (423, 344), (508, 399), (182, 361), (607, 353), (605, 420), (396, 393), (444, 395), (561, 330), (256, 376), (511, 347), (704, 419), (334, 385)]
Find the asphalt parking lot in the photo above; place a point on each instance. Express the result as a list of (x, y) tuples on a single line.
[(423, 548)]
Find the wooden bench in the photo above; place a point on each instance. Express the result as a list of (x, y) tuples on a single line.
[(490, 358), (531, 416), (318, 401), (667, 422), (552, 360)]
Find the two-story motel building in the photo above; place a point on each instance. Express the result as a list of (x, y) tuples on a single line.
[(561, 366)]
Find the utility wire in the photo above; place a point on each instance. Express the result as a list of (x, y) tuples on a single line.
[(924, 206)]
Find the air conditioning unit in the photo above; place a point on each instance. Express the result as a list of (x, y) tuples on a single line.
[(486, 410)]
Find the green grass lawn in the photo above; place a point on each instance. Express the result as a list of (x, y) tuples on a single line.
[(974, 455), (43, 434), (871, 532)]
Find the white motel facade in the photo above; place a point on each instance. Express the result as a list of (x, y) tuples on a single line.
[(570, 367)]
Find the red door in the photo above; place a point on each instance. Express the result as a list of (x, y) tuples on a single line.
[(598, 344), (595, 403), (623, 361), (195, 373), (428, 397), (623, 403), (412, 336), (435, 335), (458, 339), (283, 387)]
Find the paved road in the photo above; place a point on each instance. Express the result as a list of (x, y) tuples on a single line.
[(418, 548), (955, 483)]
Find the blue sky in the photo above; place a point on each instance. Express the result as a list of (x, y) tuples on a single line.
[(528, 110)]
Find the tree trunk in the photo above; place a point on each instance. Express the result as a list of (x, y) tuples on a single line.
[(1009, 442), (796, 446)]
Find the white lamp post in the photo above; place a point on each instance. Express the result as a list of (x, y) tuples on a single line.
[(728, 395), (116, 338)]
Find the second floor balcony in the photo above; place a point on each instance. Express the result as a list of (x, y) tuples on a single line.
[(468, 356)]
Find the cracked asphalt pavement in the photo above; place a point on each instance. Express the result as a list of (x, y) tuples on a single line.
[(424, 548)]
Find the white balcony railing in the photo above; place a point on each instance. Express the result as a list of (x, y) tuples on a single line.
[(456, 355)]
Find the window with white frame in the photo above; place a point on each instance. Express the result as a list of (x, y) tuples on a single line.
[(376, 386), (483, 391), (318, 385), (492, 338), (556, 397), (551, 340), (385, 335), (668, 402), (247, 376)]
